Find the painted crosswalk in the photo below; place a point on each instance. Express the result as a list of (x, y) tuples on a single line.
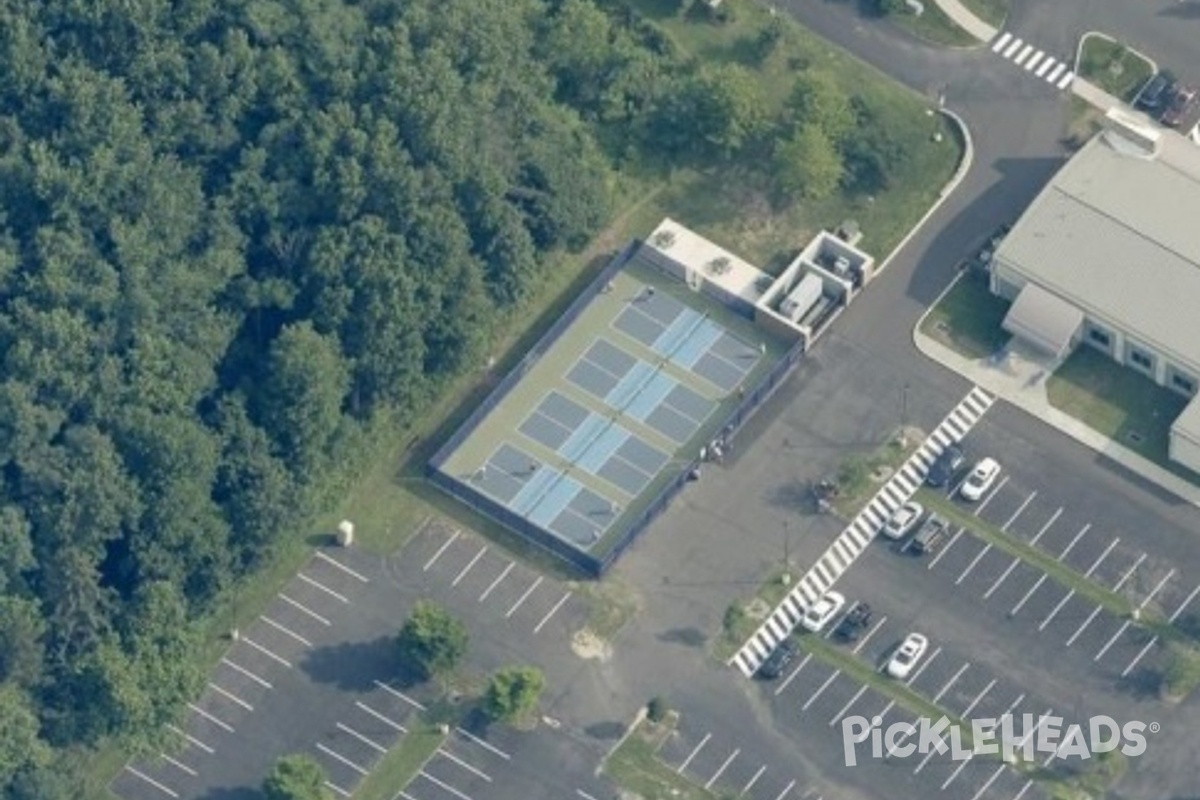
[(859, 533), (1041, 64)]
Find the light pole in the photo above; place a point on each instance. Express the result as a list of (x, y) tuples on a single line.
[(787, 561)]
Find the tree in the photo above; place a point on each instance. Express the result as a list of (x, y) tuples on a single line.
[(296, 777), (717, 111), (807, 165), (431, 642), (20, 747), (816, 99), (513, 693)]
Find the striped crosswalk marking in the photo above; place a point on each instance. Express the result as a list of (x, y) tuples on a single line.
[(1025, 55), (853, 540), (1054, 73), (1033, 62), (1050, 62), (1066, 80), (1012, 48), (1004, 39)]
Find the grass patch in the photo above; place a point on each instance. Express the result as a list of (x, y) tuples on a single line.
[(993, 12), (1113, 67), (401, 764), (968, 317), (739, 624), (1084, 587), (856, 479), (636, 768), (611, 604), (1120, 403), (934, 26), (1181, 675)]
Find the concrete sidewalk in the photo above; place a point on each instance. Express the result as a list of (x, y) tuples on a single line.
[(965, 19)]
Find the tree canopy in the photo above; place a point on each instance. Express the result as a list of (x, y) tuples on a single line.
[(513, 692), (431, 641), (296, 777)]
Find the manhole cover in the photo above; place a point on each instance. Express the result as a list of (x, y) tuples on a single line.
[(1135, 437)]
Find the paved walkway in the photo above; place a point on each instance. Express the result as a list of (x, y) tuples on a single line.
[(965, 19), (1019, 376)]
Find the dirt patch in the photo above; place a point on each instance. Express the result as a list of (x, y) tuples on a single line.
[(587, 644), (757, 608)]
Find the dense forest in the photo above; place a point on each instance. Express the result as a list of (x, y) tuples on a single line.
[(235, 235)]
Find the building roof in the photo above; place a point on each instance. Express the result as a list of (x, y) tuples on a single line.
[(1117, 234), (688, 248), (1043, 319), (1187, 424)]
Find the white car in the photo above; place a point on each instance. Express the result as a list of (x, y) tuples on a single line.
[(817, 616), (982, 476), (907, 655), (904, 520)]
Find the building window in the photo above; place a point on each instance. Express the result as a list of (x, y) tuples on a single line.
[(1183, 383), (1141, 359), (1099, 338)]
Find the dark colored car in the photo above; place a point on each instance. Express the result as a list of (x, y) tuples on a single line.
[(778, 661), (931, 535), (945, 466), (854, 623), (1155, 92), (1181, 104)]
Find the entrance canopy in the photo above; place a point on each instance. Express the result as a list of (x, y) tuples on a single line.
[(1043, 320)]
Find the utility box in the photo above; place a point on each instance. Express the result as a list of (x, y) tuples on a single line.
[(801, 299), (345, 533)]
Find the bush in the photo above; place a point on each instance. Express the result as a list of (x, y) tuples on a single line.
[(513, 693), (431, 641), (656, 709), (1182, 673), (296, 777)]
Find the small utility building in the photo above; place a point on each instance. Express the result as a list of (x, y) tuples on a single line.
[(1109, 255)]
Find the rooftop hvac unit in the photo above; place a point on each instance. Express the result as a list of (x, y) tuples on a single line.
[(801, 299)]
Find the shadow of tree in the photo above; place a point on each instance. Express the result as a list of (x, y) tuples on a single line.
[(231, 793), (688, 637), (605, 730), (1143, 684), (355, 666)]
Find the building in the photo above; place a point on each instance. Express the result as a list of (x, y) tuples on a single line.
[(1108, 255)]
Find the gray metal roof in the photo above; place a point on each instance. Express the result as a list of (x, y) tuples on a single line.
[(1118, 235)]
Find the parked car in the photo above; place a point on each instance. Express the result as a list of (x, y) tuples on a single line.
[(778, 661), (854, 623), (982, 476), (817, 615), (1180, 106), (903, 520), (948, 463), (907, 655), (931, 535), (1155, 92)]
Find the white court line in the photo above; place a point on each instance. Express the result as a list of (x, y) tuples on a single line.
[(441, 550), (341, 758), (786, 789), (246, 672), (1129, 573), (863, 641), (339, 790), (1083, 627), (322, 587), (191, 739), (305, 609), (833, 720), (1070, 546), (286, 630), (988, 785), (720, 771), (750, 783), (401, 695), (496, 582), (470, 564), (445, 786), (1141, 654), (150, 781), (523, 597), (1046, 527), (369, 742), (692, 755), (1103, 556), (795, 672), (264, 650), (974, 561), (821, 690), (385, 720), (1003, 577), (231, 696), (1175, 614), (552, 611), (971, 706), (342, 567), (921, 668), (979, 508), (1111, 641), (495, 750), (1021, 603), (178, 765), (953, 680), (946, 549), (1156, 589), (954, 775), (210, 717), (1066, 599), (1020, 509), (468, 767)]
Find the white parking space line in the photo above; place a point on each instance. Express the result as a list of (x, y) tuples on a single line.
[(584, 794), (1024, 789), (974, 561), (863, 641), (930, 754), (443, 785), (1141, 654), (955, 774), (1175, 614), (178, 765), (921, 668), (750, 783), (1104, 555), (886, 709), (338, 756), (1112, 641), (679, 770), (462, 574), (401, 695), (979, 509), (496, 751), (1021, 603), (1071, 545), (1014, 704), (1158, 588), (264, 651), (821, 690), (285, 630), (1054, 612), (496, 582), (953, 680), (795, 672), (385, 720), (834, 719), (224, 725), (983, 789), (368, 741), (358, 576), (191, 739), (304, 609), (322, 587), (1129, 573), (1020, 510), (1083, 627), (723, 767), (246, 672), (1003, 577), (933, 563), (786, 789), (523, 597), (552, 612), (468, 767), (337, 789), (982, 694), (230, 696), (164, 789), (1042, 531), (445, 546)]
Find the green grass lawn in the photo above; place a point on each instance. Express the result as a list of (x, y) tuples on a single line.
[(636, 768), (968, 317), (1113, 67), (857, 479), (934, 27), (401, 764), (739, 625), (993, 12)]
